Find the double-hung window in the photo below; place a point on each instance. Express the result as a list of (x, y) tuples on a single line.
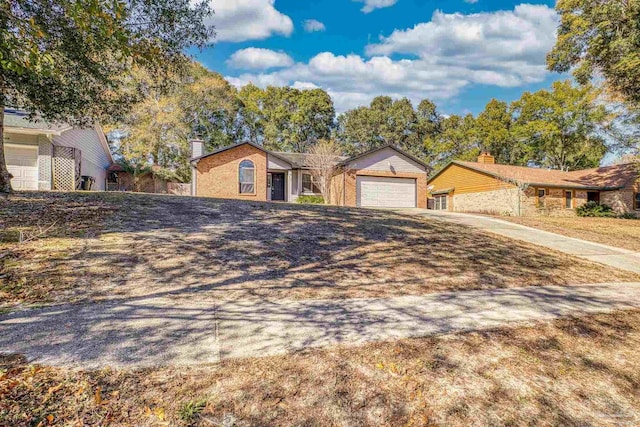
[(308, 186), (247, 177)]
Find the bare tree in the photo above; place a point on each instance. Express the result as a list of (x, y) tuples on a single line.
[(513, 190), (323, 160)]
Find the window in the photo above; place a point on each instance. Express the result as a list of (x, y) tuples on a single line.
[(541, 193), (568, 199), (246, 177), (308, 186), (637, 201), (441, 203)]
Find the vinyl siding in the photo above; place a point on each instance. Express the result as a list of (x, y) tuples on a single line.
[(95, 160), (387, 160), (465, 180)]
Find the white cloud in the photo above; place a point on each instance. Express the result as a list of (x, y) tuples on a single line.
[(371, 5), (259, 59), (445, 55), (313, 25), (471, 1), (504, 48), (241, 20)]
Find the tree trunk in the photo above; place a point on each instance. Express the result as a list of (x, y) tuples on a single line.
[(5, 176)]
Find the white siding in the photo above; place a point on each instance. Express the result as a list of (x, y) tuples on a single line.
[(277, 164), (296, 184), (44, 154), (387, 159), (95, 160)]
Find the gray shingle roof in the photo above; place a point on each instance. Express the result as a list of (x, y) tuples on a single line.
[(20, 119), (300, 160)]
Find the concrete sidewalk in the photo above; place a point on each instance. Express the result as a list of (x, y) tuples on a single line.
[(163, 331), (615, 257)]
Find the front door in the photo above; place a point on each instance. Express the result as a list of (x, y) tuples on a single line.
[(277, 186)]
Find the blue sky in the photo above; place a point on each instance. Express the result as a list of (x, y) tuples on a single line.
[(458, 53)]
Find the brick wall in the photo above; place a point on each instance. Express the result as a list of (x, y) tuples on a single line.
[(621, 201), (217, 175), (553, 203), (497, 202)]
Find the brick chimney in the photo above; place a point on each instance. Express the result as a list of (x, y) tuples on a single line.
[(485, 157)]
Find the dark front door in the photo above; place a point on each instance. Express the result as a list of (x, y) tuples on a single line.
[(277, 186)]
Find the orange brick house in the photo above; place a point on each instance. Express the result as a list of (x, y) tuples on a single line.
[(384, 177), (487, 187)]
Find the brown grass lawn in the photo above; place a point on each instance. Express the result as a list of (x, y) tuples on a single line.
[(570, 372), (98, 246), (621, 233)]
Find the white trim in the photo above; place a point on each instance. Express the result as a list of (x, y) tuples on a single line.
[(29, 131)]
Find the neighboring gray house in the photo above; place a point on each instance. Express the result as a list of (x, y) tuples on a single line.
[(44, 156)]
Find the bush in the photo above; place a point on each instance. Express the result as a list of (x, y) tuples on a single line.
[(311, 200), (595, 209), (190, 411), (628, 215)]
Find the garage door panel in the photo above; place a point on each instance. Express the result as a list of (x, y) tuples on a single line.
[(375, 191)]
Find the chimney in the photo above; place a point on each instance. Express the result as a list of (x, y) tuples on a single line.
[(197, 148), (485, 157)]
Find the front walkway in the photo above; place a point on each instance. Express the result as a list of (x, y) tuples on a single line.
[(614, 257), (166, 331)]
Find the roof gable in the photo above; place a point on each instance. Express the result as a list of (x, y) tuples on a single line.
[(384, 147)]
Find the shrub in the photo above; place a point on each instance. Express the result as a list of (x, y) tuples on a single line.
[(628, 215), (311, 200), (189, 412), (595, 209)]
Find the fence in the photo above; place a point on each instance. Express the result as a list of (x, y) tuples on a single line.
[(66, 168)]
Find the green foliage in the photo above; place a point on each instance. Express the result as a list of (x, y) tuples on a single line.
[(387, 121), (598, 37), (457, 140), (595, 209), (190, 411), (311, 200), (284, 118), (628, 215), (70, 60), (156, 131), (562, 128)]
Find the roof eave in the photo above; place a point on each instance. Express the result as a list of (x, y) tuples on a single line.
[(36, 131)]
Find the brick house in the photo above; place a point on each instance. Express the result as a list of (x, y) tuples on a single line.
[(384, 177), (487, 187)]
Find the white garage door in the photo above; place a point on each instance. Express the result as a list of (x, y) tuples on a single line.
[(22, 163), (375, 191)]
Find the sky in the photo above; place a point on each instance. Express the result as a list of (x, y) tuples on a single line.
[(458, 53)]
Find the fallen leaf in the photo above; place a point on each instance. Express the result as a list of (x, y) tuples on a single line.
[(97, 397), (159, 412), (50, 392), (50, 419)]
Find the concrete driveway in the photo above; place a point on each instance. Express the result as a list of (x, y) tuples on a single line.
[(164, 331), (615, 257)]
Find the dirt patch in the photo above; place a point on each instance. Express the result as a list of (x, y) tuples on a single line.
[(128, 245), (621, 233), (578, 371)]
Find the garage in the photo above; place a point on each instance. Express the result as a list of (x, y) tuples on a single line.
[(383, 192), (22, 163)]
